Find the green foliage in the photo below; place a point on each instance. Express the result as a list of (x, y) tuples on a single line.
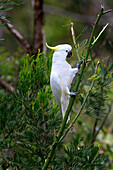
[(9, 66), (29, 122), (8, 5), (78, 156), (98, 100), (28, 118), (9, 2)]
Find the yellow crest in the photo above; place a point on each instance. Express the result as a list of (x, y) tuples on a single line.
[(52, 48)]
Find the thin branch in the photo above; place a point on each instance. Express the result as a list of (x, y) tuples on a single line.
[(98, 52), (80, 110), (93, 32), (74, 41), (82, 106), (17, 34), (6, 86), (96, 39), (105, 12), (86, 57)]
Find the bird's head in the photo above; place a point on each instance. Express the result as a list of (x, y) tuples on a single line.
[(62, 50)]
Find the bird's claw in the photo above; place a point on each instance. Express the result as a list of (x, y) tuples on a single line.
[(74, 94), (79, 63)]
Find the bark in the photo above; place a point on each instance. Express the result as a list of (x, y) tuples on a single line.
[(38, 30), (38, 23)]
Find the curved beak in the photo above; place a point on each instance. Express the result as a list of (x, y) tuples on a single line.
[(69, 54)]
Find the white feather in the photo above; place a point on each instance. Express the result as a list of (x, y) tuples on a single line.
[(56, 87), (61, 77)]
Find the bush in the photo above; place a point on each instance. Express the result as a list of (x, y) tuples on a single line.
[(30, 120)]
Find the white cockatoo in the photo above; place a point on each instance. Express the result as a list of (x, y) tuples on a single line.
[(62, 75)]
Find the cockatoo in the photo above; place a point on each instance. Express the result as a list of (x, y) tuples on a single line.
[(62, 75)]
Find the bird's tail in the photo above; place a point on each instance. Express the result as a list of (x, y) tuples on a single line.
[(64, 105)]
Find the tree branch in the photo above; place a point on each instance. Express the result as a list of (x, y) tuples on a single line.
[(6, 86), (79, 112), (17, 34)]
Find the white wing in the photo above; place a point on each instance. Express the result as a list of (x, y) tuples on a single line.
[(56, 87)]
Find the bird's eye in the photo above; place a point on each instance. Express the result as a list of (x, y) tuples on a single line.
[(66, 50)]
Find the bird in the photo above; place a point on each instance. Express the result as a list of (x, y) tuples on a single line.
[(62, 75)]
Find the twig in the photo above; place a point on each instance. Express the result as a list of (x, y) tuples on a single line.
[(76, 117), (103, 43), (98, 52), (93, 32), (96, 39), (6, 86), (74, 41), (105, 12), (17, 34)]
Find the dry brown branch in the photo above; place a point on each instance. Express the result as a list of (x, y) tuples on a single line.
[(6, 86), (17, 34)]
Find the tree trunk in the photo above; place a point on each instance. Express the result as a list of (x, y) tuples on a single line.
[(38, 23)]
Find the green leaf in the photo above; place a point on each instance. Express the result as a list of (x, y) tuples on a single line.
[(83, 43)]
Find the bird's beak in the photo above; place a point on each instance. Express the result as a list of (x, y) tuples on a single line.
[(69, 54)]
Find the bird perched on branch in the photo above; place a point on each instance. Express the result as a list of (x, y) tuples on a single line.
[(62, 75)]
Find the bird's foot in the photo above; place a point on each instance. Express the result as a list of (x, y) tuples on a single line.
[(74, 94), (79, 63)]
